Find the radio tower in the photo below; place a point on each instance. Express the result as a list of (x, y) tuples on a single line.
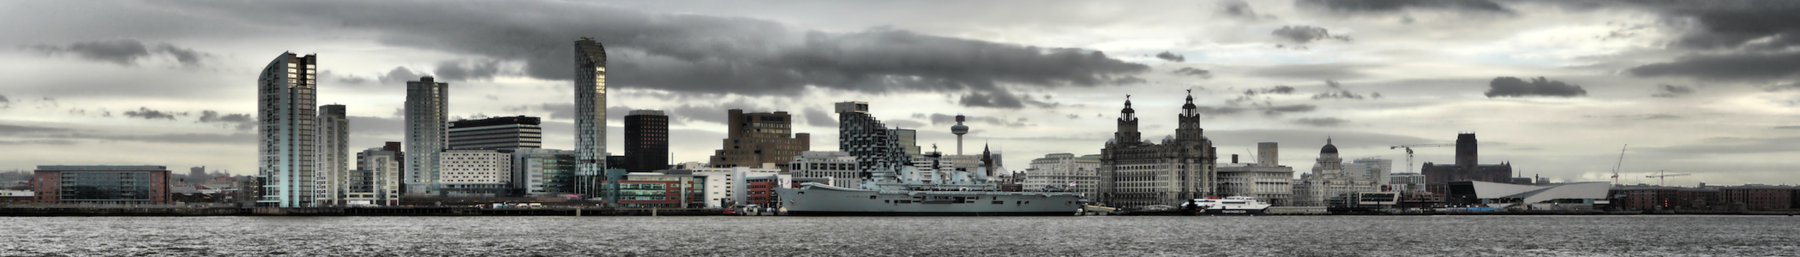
[(959, 130)]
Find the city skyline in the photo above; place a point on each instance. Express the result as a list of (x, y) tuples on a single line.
[(1554, 88)]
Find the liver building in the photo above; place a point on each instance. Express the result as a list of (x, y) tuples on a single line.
[(1135, 172)]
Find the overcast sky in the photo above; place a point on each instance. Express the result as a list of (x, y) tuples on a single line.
[(1710, 88)]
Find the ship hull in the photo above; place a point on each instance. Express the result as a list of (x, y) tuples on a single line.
[(834, 201), (1234, 211)]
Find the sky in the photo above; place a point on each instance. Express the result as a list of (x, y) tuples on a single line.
[(1556, 88)]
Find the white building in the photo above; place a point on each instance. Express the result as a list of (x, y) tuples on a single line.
[(474, 172), (839, 167), (334, 151), (1064, 170), (1329, 184), (728, 183), (376, 180)]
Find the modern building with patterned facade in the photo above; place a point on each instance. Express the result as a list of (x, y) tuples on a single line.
[(837, 166), (756, 139), (1066, 171), (334, 154), (590, 109), (101, 184), (496, 133), (475, 173), (287, 111), (1135, 172), (427, 104), (377, 179), (865, 137), (1266, 180), (646, 141), (1466, 168), (544, 172)]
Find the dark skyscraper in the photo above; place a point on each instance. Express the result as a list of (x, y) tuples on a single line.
[(590, 108), (497, 133), (646, 141), (427, 108), (758, 138)]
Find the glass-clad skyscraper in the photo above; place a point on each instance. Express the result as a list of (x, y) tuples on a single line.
[(286, 112), (590, 112), (426, 114)]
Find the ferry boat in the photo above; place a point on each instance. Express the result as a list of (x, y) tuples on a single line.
[(1235, 205), (907, 190)]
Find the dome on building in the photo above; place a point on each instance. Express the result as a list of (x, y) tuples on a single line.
[(1328, 149), (1127, 107)]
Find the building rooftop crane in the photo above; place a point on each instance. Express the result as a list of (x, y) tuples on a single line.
[(1409, 152), (1662, 177)]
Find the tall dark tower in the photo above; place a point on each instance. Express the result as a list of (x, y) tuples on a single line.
[(1189, 127), (1128, 125), (1465, 152)]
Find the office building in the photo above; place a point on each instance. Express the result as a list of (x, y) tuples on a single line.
[(759, 140), (646, 141), (1328, 184), (334, 153), (544, 172), (475, 173), (839, 167), (590, 109), (101, 184), (1066, 171), (427, 108), (863, 136), (909, 139), (1371, 169), (1135, 172), (377, 178), (660, 190), (496, 133), (1266, 179), (287, 112)]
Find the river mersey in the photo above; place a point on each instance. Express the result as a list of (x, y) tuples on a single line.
[(905, 236)]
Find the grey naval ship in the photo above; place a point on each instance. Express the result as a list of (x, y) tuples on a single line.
[(906, 190)]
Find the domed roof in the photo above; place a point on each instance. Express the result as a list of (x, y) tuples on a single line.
[(1328, 149), (1127, 107)]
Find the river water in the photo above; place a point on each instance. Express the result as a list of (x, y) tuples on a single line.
[(1643, 235)]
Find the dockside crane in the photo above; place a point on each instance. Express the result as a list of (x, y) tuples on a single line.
[(1621, 163), (1409, 152), (1662, 177)]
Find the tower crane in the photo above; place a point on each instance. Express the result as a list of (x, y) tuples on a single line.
[(1662, 176), (1409, 152)]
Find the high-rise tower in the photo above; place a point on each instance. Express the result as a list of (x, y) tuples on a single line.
[(959, 129), (590, 109), (334, 155), (426, 135), (286, 110), (646, 141)]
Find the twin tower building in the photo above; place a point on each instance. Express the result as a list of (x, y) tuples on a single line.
[(303, 150)]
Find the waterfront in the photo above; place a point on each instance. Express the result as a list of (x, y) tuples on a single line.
[(906, 236)]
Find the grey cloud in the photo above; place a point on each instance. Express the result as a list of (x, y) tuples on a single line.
[(1735, 67), (1304, 34), (1327, 71), (124, 52), (493, 97), (950, 119), (1787, 127), (1734, 145), (698, 54), (1001, 100), (904, 123), (1277, 89), (1333, 84), (147, 113), (566, 111), (1344, 94), (1045, 104), (38, 142), (1515, 87), (240, 121), (452, 70), (1666, 91), (5, 103), (1222, 110), (1724, 24), (1321, 122), (1383, 7), (1167, 56), (1283, 109), (1190, 71), (366, 125), (819, 118), (717, 113), (21, 129), (1266, 110), (1376, 95), (1073, 116), (1241, 10), (401, 75)]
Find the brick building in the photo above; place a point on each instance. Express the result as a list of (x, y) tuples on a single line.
[(754, 139), (101, 184)]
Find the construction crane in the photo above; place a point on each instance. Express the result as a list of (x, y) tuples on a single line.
[(1409, 152), (1662, 177), (1621, 163)]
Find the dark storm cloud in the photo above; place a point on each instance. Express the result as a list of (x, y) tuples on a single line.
[(1304, 34), (1167, 56), (1728, 24), (1205, 74), (1667, 91), (147, 113), (240, 121), (1737, 67), (819, 118), (1001, 100), (400, 75), (1383, 7), (467, 70), (124, 52), (1327, 71), (938, 119), (1540, 86), (1321, 122), (1044, 104), (698, 54)]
